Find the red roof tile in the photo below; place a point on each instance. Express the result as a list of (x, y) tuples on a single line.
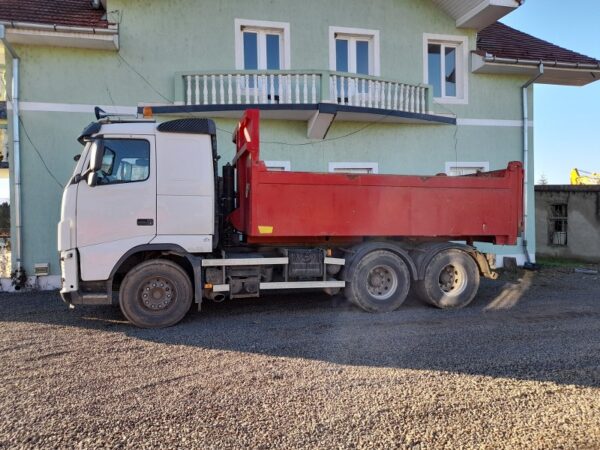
[(75, 13), (503, 41)]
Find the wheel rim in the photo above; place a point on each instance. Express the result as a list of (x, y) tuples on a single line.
[(382, 282), (453, 280), (157, 294)]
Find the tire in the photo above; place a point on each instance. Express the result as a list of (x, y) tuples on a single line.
[(379, 282), (169, 292), (451, 280)]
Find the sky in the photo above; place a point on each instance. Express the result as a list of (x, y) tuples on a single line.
[(566, 119)]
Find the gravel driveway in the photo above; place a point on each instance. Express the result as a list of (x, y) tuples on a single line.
[(520, 368)]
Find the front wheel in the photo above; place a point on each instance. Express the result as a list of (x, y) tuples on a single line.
[(155, 294), (451, 280), (379, 282)]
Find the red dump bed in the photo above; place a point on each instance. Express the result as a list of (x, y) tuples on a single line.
[(286, 207)]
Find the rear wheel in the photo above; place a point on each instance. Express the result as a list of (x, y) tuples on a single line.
[(155, 294), (379, 282), (451, 280)]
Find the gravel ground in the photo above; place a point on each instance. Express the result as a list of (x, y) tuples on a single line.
[(519, 368)]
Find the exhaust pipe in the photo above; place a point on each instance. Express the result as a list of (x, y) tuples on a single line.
[(216, 297)]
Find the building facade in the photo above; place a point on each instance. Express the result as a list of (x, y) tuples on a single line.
[(568, 222), (388, 86)]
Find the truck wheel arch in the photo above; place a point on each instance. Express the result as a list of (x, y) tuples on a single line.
[(424, 254), (361, 250), (188, 262)]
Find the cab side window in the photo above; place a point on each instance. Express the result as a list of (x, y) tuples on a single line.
[(125, 161)]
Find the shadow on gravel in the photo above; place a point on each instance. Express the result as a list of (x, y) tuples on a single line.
[(513, 329)]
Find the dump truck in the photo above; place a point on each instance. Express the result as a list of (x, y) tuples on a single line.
[(149, 222)]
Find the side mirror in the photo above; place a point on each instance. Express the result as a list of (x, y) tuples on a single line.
[(92, 179), (96, 155)]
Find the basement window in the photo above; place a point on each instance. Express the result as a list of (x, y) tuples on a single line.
[(278, 166), (455, 169), (557, 224), (354, 167)]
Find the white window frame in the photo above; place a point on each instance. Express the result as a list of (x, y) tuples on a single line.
[(353, 35), (484, 165), (461, 43), (373, 166), (285, 165), (262, 27)]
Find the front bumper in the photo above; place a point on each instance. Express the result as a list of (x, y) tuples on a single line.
[(69, 271), (75, 292)]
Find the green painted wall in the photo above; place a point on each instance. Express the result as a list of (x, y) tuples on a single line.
[(159, 39)]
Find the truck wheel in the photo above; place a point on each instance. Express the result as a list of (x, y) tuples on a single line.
[(155, 294), (451, 280), (379, 282)]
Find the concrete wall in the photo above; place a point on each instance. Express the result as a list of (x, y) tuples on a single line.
[(583, 222), (159, 39)]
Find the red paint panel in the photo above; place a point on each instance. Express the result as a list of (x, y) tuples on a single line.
[(284, 206)]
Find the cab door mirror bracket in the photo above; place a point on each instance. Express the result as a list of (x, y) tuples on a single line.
[(92, 179), (96, 155)]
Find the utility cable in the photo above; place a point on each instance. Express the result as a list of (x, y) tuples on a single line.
[(24, 128), (40, 155)]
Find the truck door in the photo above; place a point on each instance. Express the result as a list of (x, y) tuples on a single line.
[(120, 211)]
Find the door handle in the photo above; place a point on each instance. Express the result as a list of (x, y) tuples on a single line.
[(145, 222)]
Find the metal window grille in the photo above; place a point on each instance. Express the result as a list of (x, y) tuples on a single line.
[(558, 224)]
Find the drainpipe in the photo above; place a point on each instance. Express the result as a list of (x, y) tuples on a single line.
[(16, 148), (525, 90)]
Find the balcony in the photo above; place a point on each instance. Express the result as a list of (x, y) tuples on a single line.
[(319, 98)]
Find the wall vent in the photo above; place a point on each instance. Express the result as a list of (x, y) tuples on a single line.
[(42, 269)]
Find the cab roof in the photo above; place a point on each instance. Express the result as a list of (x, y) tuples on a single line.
[(184, 126)]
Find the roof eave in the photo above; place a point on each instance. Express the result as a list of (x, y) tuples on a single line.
[(29, 33), (477, 14), (486, 13), (555, 72)]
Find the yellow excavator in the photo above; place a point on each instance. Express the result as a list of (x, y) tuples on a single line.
[(584, 178)]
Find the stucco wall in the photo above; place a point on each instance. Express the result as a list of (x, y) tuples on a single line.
[(583, 223), (159, 39)]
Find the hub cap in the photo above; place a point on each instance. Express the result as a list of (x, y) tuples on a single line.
[(157, 294), (452, 280), (382, 282)]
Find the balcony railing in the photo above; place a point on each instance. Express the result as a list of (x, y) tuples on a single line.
[(301, 88)]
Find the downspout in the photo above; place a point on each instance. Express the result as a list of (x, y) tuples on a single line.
[(525, 90), (16, 149)]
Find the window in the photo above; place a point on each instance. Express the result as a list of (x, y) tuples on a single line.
[(557, 224), (354, 167), (278, 166), (445, 67), (124, 161), (466, 168), (261, 45), (354, 50)]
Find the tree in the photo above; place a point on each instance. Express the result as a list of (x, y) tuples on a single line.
[(543, 180)]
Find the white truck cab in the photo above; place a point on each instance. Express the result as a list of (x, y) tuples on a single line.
[(153, 187)]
